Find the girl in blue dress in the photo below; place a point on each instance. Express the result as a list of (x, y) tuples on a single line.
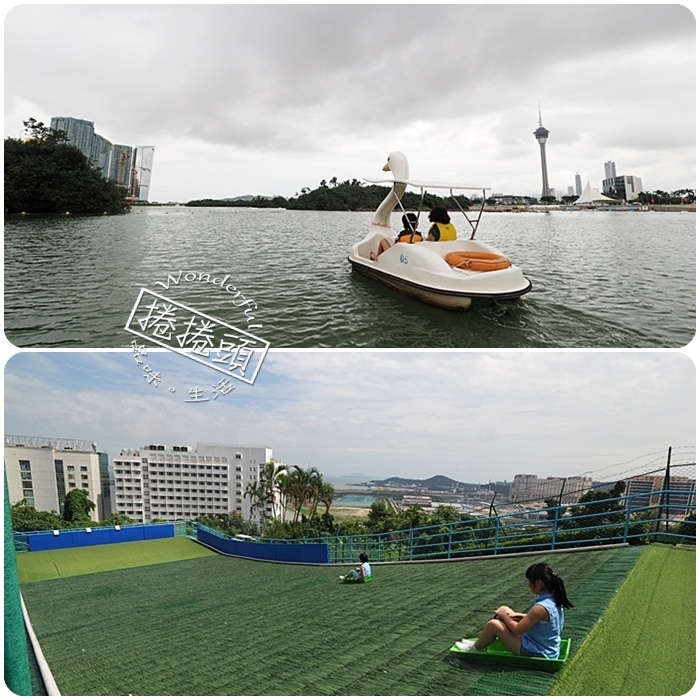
[(535, 633)]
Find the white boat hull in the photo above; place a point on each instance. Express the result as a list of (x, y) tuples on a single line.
[(420, 270)]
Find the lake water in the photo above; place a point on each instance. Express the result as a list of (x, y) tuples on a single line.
[(600, 279)]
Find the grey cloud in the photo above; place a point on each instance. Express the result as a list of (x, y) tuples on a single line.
[(275, 79)]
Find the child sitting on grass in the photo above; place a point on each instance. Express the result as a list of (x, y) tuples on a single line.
[(359, 572), (535, 633)]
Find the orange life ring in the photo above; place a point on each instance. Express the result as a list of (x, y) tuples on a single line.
[(477, 260)]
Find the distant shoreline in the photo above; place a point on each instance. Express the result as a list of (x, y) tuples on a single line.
[(501, 208), (618, 208)]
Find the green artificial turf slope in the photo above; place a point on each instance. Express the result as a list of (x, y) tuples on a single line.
[(58, 563), (645, 642), (226, 626)]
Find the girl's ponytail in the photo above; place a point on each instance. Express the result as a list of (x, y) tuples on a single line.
[(559, 591), (552, 582)]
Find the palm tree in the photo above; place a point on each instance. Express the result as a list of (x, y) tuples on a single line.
[(285, 485), (326, 495), (301, 487), (256, 492), (292, 485), (270, 476), (313, 490)]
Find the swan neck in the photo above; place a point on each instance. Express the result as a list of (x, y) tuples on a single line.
[(383, 214)]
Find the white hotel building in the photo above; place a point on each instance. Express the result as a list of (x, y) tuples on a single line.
[(43, 470), (180, 483)]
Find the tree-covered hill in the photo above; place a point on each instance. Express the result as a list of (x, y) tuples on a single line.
[(46, 175), (350, 195)]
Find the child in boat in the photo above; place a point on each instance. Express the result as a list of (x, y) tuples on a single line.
[(442, 229), (408, 235), (359, 572), (535, 633)]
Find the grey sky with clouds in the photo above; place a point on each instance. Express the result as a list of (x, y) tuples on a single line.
[(473, 416), (268, 99)]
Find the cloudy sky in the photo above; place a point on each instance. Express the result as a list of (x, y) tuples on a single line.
[(469, 415), (268, 99)]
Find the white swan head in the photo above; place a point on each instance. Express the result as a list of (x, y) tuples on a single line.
[(397, 164)]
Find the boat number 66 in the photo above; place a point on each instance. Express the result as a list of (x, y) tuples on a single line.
[(403, 259)]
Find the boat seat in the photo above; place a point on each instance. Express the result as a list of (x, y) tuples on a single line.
[(479, 261)]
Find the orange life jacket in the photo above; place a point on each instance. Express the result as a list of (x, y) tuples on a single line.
[(408, 237)]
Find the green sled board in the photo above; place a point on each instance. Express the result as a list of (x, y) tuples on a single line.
[(366, 579), (497, 653)]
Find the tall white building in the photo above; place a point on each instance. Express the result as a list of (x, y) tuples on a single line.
[(44, 470), (577, 185), (181, 483), (141, 177), (610, 170), (529, 487)]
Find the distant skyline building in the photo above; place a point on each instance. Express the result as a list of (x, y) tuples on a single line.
[(141, 175), (128, 166), (529, 487), (681, 502), (121, 165), (625, 186), (577, 185), (80, 132), (541, 134), (610, 170)]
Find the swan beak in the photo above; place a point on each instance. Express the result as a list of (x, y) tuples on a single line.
[(386, 168)]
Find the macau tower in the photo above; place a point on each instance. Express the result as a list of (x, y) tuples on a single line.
[(541, 135)]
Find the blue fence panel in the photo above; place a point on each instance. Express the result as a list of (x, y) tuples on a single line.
[(245, 549), (159, 531), (81, 538), (317, 553), (42, 541), (127, 533), (206, 537), (289, 552)]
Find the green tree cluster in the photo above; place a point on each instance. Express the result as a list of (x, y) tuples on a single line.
[(682, 196), (256, 202), (350, 195), (228, 523), (75, 514), (46, 175)]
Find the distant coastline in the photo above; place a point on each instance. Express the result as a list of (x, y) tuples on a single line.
[(495, 209)]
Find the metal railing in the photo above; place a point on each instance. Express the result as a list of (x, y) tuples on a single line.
[(666, 515), (655, 516)]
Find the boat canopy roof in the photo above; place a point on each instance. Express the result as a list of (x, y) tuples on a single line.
[(426, 185)]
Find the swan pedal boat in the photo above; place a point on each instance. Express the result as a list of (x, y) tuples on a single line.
[(447, 274)]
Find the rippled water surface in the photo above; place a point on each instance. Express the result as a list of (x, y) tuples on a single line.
[(615, 279)]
